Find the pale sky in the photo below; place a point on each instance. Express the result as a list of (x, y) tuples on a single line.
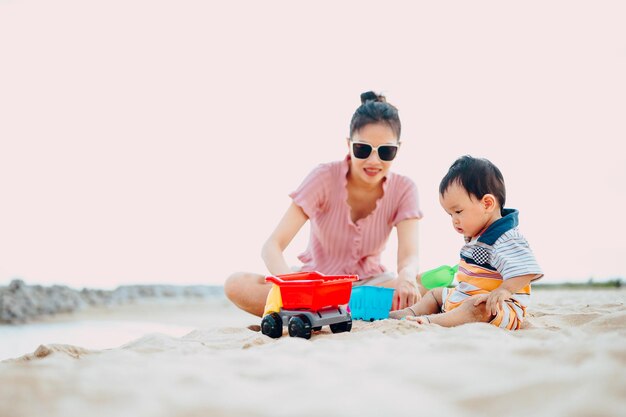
[(156, 141)]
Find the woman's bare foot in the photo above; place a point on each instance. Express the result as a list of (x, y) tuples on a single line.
[(400, 314)]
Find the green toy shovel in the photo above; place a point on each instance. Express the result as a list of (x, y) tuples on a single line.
[(439, 277)]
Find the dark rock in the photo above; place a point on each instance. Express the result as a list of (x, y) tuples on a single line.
[(20, 302)]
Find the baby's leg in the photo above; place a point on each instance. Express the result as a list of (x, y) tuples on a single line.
[(430, 303), (467, 312)]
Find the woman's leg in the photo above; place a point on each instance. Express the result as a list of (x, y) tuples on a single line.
[(248, 291), (430, 303)]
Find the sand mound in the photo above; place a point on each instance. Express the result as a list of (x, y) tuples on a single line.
[(568, 362)]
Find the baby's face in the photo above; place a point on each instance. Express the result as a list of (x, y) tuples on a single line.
[(469, 215)]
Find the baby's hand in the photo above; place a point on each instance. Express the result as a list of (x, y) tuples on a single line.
[(494, 299), (479, 299)]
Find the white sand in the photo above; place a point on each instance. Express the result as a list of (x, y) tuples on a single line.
[(571, 361)]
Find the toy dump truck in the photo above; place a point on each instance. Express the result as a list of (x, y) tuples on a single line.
[(307, 301)]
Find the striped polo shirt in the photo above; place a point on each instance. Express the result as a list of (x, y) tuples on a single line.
[(337, 245), (500, 253)]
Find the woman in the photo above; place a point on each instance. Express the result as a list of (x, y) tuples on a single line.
[(352, 205)]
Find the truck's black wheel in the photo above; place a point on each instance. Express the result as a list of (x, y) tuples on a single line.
[(272, 325), (300, 326), (345, 326)]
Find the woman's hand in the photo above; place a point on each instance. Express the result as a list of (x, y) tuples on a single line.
[(405, 295)]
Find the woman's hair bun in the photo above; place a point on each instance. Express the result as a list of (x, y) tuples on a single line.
[(372, 96)]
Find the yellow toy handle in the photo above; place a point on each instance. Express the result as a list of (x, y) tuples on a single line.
[(274, 301)]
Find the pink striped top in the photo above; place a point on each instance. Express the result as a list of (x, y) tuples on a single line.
[(338, 246)]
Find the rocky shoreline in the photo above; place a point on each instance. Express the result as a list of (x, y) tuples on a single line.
[(20, 303)]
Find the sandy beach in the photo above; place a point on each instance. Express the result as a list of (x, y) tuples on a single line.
[(570, 360)]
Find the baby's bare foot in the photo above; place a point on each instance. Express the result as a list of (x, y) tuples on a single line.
[(399, 314), (419, 319)]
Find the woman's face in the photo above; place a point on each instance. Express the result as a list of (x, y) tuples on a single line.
[(372, 169)]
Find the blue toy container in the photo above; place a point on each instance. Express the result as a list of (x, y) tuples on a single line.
[(370, 303)]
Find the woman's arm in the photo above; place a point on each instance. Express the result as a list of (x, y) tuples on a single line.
[(407, 292), (272, 252)]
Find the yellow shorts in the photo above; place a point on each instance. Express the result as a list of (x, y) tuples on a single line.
[(510, 314)]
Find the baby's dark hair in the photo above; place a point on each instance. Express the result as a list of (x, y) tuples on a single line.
[(478, 176), (375, 109)]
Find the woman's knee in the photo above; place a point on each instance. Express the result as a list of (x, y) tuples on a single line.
[(236, 284), (233, 284)]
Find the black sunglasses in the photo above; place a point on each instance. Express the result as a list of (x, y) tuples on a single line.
[(362, 150)]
